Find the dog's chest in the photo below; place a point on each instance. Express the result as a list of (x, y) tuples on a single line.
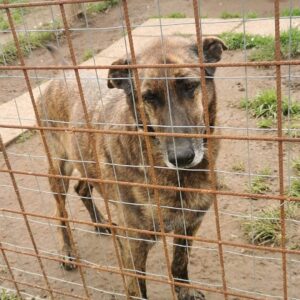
[(188, 210)]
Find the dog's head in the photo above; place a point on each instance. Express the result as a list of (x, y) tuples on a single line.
[(172, 97)]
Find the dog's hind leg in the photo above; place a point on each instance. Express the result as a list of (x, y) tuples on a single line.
[(84, 190), (60, 187), (181, 250)]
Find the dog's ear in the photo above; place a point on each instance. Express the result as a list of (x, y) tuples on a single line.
[(119, 78), (212, 50)]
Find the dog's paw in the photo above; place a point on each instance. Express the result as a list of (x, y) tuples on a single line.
[(68, 263), (189, 294)]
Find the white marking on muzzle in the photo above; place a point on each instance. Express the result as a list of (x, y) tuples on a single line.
[(199, 154)]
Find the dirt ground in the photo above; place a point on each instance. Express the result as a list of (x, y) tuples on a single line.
[(257, 272), (252, 273)]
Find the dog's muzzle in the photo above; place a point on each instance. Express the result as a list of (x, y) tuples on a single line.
[(184, 153), (182, 157)]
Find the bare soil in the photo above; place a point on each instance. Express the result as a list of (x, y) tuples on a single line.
[(255, 273)]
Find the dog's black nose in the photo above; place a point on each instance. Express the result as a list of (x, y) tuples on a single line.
[(183, 157)]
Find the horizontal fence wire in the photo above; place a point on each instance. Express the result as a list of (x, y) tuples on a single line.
[(158, 66), (129, 276)]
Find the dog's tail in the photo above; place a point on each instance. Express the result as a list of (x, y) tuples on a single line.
[(56, 54)]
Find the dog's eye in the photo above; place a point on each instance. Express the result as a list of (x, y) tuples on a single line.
[(187, 87), (190, 87), (151, 97)]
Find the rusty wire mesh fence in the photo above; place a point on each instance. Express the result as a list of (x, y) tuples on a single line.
[(223, 263)]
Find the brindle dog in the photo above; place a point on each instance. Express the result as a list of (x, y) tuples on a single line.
[(170, 105)]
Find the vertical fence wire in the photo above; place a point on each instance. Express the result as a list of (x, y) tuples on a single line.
[(290, 101), (280, 146), (211, 158), (249, 165)]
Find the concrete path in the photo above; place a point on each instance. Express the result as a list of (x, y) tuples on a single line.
[(19, 111)]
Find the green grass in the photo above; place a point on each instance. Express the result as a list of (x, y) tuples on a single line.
[(267, 171), (294, 190), (296, 165), (290, 42), (263, 53), (259, 185), (264, 105), (228, 15), (295, 247), (290, 47), (265, 123), (28, 42), (290, 12), (4, 295), (174, 15), (222, 185), (3, 23), (294, 129), (101, 6), (251, 15), (235, 41), (239, 167), (265, 229), (88, 53), (25, 136), (263, 46), (17, 14)]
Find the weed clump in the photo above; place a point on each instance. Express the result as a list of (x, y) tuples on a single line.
[(259, 185), (16, 13), (291, 12), (28, 42), (228, 15), (235, 41), (265, 123), (295, 189), (264, 107), (5, 295), (265, 229), (239, 167), (264, 46), (296, 165), (87, 54), (102, 6), (174, 15)]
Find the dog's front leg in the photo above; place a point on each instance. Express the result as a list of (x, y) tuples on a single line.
[(181, 250), (134, 252)]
